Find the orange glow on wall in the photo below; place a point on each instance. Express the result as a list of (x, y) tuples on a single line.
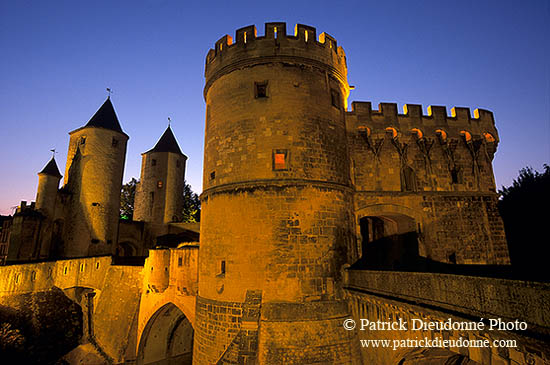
[(489, 137), (393, 131), (418, 132), (467, 136)]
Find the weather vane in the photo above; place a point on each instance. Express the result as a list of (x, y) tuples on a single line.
[(53, 152), (169, 120), (109, 91)]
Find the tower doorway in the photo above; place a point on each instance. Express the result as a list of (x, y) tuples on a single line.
[(389, 241)]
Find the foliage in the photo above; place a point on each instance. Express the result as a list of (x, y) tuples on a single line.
[(523, 207), (127, 197), (38, 328), (191, 205)]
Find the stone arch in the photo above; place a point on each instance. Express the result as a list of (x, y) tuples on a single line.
[(390, 236), (86, 297), (126, 249), (167, 338)]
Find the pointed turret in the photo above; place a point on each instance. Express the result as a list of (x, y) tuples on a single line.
[(167, 143), (105, 117), (159, 195), (51, 169), (48, 183)]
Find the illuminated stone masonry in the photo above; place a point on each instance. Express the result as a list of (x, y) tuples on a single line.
[(313, 217)]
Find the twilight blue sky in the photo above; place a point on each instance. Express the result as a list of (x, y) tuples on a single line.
[(57, 58)]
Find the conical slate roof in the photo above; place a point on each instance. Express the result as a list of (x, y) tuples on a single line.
[(51, 169), (167, 143), (105, 117)]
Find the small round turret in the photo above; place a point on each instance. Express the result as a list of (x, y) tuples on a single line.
[(48, 183)]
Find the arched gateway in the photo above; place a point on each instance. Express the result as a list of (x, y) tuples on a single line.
[(167, 338)]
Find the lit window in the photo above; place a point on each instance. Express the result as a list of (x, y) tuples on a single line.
[(392, 131), (159, 184), (280, 159), (489, 137), (260, 89), (466, 135)]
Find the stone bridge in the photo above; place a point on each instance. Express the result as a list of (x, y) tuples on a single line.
[(146, 314), (461, 301)]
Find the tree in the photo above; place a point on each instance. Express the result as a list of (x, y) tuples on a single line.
[(191, 205), (127, 198), (524, 210), (191, 202)]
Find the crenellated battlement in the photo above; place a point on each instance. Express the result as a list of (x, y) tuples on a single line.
[(247, 48), (460, 121)]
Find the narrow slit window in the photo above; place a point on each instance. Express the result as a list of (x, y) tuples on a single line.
[(222, 267), (114, 143), (244, 37), (260, 89), (275, 32), (306, 35), (153, 162), (212, 175), (159, 184), (335, 98), (83, 140)]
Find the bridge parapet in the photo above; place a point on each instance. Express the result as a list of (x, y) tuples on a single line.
[(457, 303), (471, 296), (34, 277)]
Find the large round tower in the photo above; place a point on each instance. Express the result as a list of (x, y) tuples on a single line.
[(277, 202), (93, 177)]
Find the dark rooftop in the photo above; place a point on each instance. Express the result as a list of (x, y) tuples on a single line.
[(51, 169), (105, 117), (167, 143)]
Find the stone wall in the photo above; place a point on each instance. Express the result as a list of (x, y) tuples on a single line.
[(394, 296), (115, 301)]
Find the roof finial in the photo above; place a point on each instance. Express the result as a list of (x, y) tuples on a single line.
[(53, 152), (169, 120), (109, 91)]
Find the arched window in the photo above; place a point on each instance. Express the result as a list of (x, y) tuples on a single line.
[(392, 131), (442, 135), (417, 132), (466, 135)]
